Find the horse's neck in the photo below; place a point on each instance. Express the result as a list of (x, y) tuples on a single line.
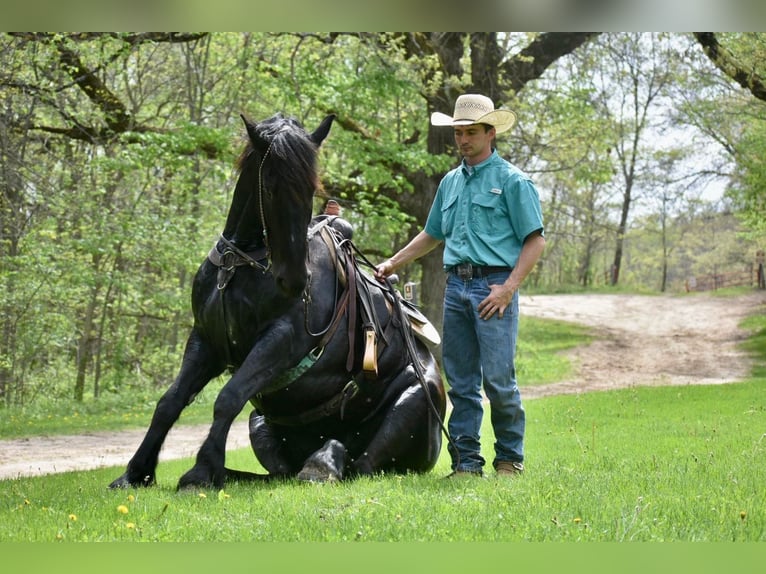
[(243, 224)]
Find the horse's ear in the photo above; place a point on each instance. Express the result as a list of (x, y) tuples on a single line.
[(251, 133), (321, 132)]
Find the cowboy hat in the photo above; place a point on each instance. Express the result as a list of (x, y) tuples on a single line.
[(476, 109)]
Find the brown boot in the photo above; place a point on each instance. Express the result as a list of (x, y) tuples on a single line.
[(509, 468)]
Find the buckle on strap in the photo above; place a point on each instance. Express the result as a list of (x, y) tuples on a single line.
[(463, 270)]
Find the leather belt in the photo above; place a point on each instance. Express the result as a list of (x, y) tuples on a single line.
[(467, 271)]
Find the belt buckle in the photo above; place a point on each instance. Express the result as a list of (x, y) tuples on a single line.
[(464, 271)]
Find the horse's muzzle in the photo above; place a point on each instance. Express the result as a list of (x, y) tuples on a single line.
[(292, 284)]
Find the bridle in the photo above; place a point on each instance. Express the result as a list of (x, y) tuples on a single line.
[(232, 256), (260, 203)]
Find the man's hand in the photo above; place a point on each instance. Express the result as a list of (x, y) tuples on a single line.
[(497, 301), (383, 270)]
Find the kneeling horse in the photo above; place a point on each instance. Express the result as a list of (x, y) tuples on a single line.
[(325, 354)]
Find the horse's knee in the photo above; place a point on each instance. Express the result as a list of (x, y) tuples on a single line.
[(226, 404)]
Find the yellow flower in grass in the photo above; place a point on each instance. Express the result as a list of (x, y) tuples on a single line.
[(73, 517), (131, 498), (202, 495), (130, 526), (122, 509)]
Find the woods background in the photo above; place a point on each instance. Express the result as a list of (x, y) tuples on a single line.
[(117, 156)]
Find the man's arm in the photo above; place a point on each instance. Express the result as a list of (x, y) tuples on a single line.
[(420, 245), (501, 295)]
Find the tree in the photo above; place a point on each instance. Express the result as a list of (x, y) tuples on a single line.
[(740, 57), (117, 156), (743, 69), (86, 207), (635, 72)]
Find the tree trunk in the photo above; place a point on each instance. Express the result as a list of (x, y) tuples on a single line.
[(87, 339)]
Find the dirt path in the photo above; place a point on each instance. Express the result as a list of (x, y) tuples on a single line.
[(650, 340), (642, 340)]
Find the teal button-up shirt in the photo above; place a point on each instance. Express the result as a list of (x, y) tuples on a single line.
[(484, 213)]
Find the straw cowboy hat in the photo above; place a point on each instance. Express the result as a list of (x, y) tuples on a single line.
[(476, 109)]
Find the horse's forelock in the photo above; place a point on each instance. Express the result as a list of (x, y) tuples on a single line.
[(288, 141)]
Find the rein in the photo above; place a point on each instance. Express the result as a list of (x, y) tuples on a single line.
[(406, 327), (232, 256)]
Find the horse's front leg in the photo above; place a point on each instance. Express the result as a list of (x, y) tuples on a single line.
[(198, 367), (270, 357)]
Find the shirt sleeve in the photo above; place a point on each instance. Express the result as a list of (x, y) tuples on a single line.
[(524, 208), (434, 222)]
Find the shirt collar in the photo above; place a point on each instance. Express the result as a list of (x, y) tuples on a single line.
[(470, 169)]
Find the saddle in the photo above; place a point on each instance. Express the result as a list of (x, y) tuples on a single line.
[(356, 299), (357, 289)]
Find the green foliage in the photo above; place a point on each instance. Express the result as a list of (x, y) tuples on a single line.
[(750, 195), (101, 231)]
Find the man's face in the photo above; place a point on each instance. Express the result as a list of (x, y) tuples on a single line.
[(474, 142)]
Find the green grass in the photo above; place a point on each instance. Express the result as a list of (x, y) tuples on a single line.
[(645, 464), (108, 412), (681, 464), (539, 356), (756, 342)]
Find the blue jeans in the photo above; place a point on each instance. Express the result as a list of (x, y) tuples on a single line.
[(476, 351)]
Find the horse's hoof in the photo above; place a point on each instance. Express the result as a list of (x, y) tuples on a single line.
[(121, 482), (325, 465), (125, 482), (318, 473), (196, 478)]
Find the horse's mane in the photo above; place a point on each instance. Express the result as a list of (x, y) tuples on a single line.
[(288, 142)]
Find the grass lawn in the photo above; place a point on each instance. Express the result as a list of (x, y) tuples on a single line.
[(646, 464), (660, 464)]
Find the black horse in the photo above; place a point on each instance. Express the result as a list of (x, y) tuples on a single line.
[(281, 304)]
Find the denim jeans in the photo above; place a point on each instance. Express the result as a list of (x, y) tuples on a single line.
[(475, 352)]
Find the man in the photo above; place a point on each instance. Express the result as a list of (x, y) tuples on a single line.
[(487, 213), (332, 211), (332, 207)]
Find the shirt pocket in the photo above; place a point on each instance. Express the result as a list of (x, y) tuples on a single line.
[(488, 215), (449, 214)]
